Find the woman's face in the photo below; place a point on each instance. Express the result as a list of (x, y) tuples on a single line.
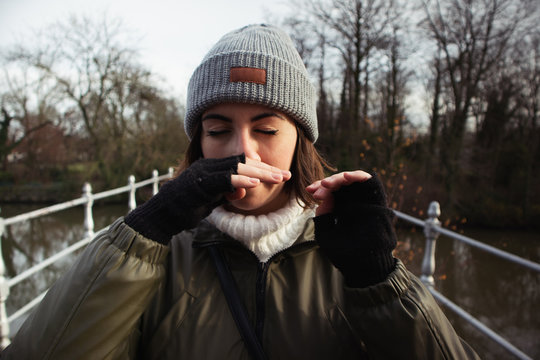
[(262, 134)]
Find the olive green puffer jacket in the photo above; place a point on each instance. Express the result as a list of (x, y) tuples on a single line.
[(131, 298)]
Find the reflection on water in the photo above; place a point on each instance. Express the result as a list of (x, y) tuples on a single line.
[(28, 243), (502, 295)]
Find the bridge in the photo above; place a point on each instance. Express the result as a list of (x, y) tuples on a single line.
[(431, 227)]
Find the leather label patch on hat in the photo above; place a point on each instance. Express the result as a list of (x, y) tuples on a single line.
[(245, 74)]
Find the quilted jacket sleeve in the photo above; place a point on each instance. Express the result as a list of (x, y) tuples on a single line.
[(93, 311), (399, 319), (388, 308)]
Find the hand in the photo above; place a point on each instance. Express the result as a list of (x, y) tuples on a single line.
[(322, 189), (252, 173), (353, 226)]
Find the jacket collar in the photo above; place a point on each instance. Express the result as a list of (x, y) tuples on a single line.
[(206, 234)]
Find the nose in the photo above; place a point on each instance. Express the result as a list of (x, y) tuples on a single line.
[(246, 144)]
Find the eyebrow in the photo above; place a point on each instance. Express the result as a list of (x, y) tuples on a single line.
[(217, 117), (265, 115), (255, 118)]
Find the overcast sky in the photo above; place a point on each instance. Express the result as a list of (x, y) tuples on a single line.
[(176, 34)]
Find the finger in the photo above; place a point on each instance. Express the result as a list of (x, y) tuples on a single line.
[(313, 187), (263, 174), (356, 176), (244, 182), (336, 181), (259, 164), (266, 174), (326, 199), (323, 194), (238, 194)]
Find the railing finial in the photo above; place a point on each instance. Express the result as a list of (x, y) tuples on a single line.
[(4, 293), (132, 202), (155, 184), (88, 214), (434, 210), (428, 263)]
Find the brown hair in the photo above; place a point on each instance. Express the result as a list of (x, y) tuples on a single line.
[(307, 165)]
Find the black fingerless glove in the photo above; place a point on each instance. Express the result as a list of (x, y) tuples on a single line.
[(358, 236), (184, 201)]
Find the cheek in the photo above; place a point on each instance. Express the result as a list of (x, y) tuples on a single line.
[(281, 153), (288, 153), (290, 147), (211, 149), (206, 149)]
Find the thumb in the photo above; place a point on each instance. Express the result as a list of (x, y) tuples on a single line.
[(238, 194)]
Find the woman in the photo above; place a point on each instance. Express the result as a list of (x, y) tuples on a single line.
[(311, 259)]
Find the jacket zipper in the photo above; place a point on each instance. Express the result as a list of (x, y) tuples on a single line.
[(260, 285), (260, 289)]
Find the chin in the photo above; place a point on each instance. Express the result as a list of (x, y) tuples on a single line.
[(248, 206), (257, 203)]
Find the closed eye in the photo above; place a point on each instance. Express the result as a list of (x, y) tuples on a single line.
[(216, 132), (267, 132)]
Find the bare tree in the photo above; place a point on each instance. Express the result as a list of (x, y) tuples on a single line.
[(311, 42), (27, 105), (347, 43), (355, 29), (10, 139), (391, 92), (99, 82), (471, 36), (531, 112)]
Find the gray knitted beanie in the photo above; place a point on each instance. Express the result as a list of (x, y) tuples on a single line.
[(257, 64)]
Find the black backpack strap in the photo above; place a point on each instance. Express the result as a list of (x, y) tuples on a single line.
[(235, 304)]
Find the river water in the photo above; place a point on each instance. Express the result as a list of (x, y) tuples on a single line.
[(504, 296)]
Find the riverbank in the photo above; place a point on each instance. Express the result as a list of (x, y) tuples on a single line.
[(41, 195), (37, 193)]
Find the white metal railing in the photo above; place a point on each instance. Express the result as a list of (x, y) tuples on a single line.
[(87, 199), (432, 229)]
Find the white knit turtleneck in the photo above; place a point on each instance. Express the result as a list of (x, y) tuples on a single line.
[(265, 235)]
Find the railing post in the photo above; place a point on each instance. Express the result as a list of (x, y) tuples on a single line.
[(88, 213), (132, 202), (4, 293), (428, 263), (155, 177), (171, 172)]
